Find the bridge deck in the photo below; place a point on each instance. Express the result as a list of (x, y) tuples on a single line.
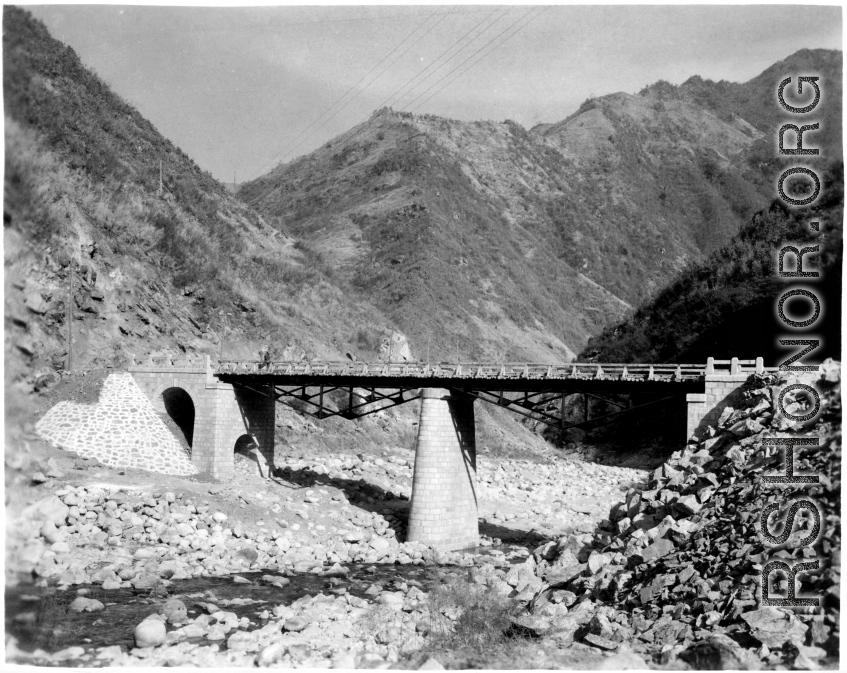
[(447, 374)]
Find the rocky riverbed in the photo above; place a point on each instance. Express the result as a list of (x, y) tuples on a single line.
[(308, 568), (580, 564)]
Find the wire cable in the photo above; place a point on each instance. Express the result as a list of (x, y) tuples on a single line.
[(290, 152), (384, 58), (405, 107), (440, 57), (354, 132), (509, 37), (508, 28)]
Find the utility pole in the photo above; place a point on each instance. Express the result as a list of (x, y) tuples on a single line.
[(71, 316), (160, 177), (223, 332)]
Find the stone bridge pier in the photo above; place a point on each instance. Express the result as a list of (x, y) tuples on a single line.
[(444, 511), (216, 417)]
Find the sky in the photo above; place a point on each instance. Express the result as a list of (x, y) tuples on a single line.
[(240, 89)]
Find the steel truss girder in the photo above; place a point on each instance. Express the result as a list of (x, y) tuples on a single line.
[(499, 400), (321, 410), (534, 411)]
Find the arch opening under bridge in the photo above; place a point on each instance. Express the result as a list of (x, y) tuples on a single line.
[(180, 408)]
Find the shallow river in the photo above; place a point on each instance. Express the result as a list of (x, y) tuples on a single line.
[(40, 617)]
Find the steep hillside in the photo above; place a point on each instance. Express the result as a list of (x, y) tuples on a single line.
[(756, 101), (528, 242), (166, 267), (185, 269), (407, 226), (725, 306)]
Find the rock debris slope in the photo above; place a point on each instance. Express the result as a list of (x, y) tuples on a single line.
[(674, 571)]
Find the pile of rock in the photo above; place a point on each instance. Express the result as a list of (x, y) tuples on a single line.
[(675, 569), (120, 539)]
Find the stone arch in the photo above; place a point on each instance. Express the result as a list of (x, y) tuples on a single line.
[(178, 404), (247, 445)]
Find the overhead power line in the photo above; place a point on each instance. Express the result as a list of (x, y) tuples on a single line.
[(384, 58), (373, 19), (408, 105), (510, 27), (290, 152), (354, 132), (431, 65)]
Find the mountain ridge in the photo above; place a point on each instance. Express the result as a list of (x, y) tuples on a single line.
[(476, 240), (626, 192)]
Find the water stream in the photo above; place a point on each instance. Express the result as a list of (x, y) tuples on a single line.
[(40, 617)]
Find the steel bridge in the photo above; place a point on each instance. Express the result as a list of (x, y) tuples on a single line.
[(352, 390), (236, 402)]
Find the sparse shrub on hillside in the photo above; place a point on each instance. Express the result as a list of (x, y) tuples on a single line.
[(369, 339), (724, 307), (710, 166), (403, 160)]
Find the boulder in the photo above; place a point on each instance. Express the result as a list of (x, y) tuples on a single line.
[(83, 604), (247, 555), (48, 509), (774, 627), (687, 505), (719, 652), (295, 624), (600, 642), (596, 561), (174, 611), (150, 633), (146, 581), (271, 654), (379, 543), (656, 550), (624, 660), (431, 664), (391, 599), (243, 641)]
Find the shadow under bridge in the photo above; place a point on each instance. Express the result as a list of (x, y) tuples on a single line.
[(541, 392)]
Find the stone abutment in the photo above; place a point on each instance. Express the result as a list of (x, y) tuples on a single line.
[(222, 413)]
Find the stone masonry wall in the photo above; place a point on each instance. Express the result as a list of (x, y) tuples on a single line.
[(721, 391), (222, 414), (444, 495), (122, 430)]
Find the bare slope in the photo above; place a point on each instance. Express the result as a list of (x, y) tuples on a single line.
[(512, 238), (178, 270), (171, 269), (406, 224)]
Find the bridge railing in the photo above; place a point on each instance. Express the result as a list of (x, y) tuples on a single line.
[(736, 367), (467, 370), (169, 362)]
